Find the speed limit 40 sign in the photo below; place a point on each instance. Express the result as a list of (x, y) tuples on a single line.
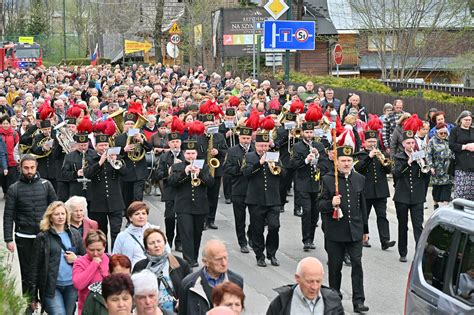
[(175, 39)]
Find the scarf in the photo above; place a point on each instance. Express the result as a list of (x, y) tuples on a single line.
[(157, 263)]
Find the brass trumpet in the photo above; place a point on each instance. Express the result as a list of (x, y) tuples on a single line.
[(195, 181), (274, 169), (116, 164), (383, 160)]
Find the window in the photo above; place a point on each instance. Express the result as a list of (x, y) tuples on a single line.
[(381, 42), (463, 273), (436, 255)]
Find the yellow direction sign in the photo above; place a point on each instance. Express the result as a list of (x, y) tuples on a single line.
[(175, 29), (26, 39), (132, 46)]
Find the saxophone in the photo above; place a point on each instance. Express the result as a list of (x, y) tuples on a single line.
[(212, 162)]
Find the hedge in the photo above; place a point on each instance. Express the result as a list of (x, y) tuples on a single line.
[(374, 86), (84, 61)]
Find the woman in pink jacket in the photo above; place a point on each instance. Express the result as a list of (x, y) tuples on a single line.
[(92, 267)]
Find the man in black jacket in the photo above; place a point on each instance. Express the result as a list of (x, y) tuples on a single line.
[(232, 139), (263, 199), (307, 178), (190, 200), (233, 169), (104, 192), (73, 166), (345, 232), (308, 296), (168, 159), (285, 149), (46, 149), (376, 185), (218, 151), (133, 181), (27, 200), (409, 193), (197, 287)]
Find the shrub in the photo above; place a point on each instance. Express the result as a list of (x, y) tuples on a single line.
[(84, 61), (10, 301)]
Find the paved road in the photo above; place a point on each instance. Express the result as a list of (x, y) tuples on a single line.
[(384, 277)]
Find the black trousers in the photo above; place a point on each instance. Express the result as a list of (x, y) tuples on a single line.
[(227, 185), (416, 213), (25, 251), (310, 217), (132, 191), (63, 191), (170, 224), (258, 216), (336, 252), (285, 185), (11, 177), (114, 218), (239, 206), (213, 197), (380, 206), (190, 227)]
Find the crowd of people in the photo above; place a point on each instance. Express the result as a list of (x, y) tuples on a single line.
[(79, 146)]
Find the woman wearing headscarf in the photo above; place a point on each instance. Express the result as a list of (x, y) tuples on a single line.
[(168, 269), (438, 155), (461, 142)]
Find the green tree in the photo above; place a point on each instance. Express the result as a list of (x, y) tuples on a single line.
[(38, 23)]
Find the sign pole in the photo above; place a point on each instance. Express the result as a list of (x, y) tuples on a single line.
[(337, 70), (253, 48), (287, 52)]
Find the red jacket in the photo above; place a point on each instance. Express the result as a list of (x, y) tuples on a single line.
[(11, 138)]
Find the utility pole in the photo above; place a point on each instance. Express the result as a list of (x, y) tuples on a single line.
[(299, 16), (287, 52), (64, 30), (2, 19)]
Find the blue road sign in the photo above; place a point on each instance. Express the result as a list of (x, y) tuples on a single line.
[(298, 35)]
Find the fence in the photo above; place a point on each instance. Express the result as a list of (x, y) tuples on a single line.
[(374, 103), (455, 90)]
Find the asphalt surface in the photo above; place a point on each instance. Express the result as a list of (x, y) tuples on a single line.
[(384, 276)]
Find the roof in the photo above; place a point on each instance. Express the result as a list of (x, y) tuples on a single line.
[(372, 62), (350, 15)]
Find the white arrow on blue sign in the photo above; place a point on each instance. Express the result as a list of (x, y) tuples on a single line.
[(298, 35)]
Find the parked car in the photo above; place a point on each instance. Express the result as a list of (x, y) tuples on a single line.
[(441, 278)]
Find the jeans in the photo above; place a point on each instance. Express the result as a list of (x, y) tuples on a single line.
[(63, 302)]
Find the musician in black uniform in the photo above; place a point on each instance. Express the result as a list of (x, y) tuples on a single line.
[(218, 151), (231, 138), (104, 191), (73, 167), (46, 150), (191, 202), (233, 169), (346, 232), (62, 183), (409, 193), (133, 181), (281, 145), (376, 185), (168, 159), (263, 200), (305, 161)]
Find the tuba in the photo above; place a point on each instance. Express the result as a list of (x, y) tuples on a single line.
[(138, 152), (65, 137), (212, 162), (117, 117)]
